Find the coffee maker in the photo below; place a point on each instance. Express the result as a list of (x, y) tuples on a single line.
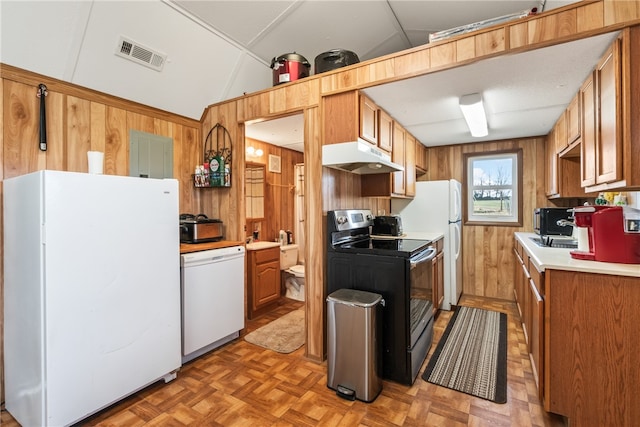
[(614, 233)]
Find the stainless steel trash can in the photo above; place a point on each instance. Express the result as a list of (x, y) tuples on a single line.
[(354, 344)]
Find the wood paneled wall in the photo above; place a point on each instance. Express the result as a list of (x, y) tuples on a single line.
[(487, 250), (341, 190), (79, 120), (279, 188)]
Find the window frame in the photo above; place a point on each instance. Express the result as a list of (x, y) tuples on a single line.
[(516, 187)]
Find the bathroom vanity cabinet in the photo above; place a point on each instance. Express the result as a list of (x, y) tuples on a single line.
[(263, 280)]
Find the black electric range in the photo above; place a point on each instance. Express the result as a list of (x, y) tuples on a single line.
[(398, 269)]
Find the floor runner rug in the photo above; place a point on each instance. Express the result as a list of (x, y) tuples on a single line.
[(283, 335), (471, 356)]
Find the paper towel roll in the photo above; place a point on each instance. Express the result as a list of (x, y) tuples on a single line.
[(96, 161)]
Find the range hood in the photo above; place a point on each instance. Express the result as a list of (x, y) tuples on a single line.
[(358, 157)]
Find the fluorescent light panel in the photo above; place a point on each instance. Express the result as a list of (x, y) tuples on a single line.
[(473, 112)]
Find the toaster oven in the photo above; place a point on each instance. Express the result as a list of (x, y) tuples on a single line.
[(199, 229), (390, 225)]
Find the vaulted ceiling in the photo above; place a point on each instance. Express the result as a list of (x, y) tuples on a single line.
[(215, 50)]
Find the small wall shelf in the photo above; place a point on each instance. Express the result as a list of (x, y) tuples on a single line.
[(218, 154)]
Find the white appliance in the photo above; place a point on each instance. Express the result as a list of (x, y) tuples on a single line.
[(437, 207), (91, 292), (212, 285)]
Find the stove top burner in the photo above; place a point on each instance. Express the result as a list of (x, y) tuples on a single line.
[(392, 247)]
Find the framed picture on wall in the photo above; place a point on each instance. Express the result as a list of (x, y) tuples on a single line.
[(274, 163)]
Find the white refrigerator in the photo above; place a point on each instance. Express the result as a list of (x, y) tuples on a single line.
[(437, 206), (91, 292)]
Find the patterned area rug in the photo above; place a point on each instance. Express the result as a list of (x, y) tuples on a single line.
[(471, 356), (283, 335)]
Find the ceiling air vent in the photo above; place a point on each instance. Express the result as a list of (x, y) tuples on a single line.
[(140, 54)]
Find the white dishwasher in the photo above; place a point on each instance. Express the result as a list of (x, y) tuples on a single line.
[(212, 285)]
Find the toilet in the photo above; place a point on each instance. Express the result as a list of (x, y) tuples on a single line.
[(293, 273)]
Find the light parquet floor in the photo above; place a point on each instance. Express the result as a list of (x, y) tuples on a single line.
[(241, 384)]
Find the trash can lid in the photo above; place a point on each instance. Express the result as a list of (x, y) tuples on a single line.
[(355, 297)]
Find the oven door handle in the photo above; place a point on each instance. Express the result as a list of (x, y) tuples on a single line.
[(429, 254)]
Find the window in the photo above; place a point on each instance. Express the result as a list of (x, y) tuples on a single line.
[(493, 185)]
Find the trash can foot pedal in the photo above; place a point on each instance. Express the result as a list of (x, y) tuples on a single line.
[(346, 393)]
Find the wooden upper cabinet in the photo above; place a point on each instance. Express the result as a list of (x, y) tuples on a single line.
[(395, 184), (341, 118), (422, 164), (398, 156), (573, 117), (551, 165), (351, 115), (385, 131), (560, 133), (588, 144), (602, 122), (609, 140), (410, 165), (562, 172), (368, 120)]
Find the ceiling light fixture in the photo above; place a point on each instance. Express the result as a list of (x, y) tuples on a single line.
[(473, 112)]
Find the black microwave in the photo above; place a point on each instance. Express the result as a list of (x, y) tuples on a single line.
[(545, 221)]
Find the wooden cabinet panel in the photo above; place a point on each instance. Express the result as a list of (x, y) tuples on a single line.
[(263, 277), (437, 278), (551, 166), (518, 280), (342, 120), (398, 156), (573, 117), (602, 137), (560, 133), (609, 140), (439, 284), (528, 282), (385, 131), (562, 173), (410, 165), (536, 330), (266, 287), (368, 120), (421, 158), (588, 145), (592, 348)]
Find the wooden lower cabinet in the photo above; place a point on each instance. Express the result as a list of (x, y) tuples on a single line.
[(583, 341), (263, 280), (535, 308), (592, 348), (528, 284)]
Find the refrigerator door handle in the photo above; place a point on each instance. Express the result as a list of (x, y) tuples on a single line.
[(457, 238), (456, 201)]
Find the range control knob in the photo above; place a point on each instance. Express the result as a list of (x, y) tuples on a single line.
[(341, 220), (369, 217)]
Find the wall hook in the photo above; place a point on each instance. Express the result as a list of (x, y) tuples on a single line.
[(42, 89)]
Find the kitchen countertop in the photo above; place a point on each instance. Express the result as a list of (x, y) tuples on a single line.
[(423, 235), (262, 244), (560, 259), (186, 248)]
